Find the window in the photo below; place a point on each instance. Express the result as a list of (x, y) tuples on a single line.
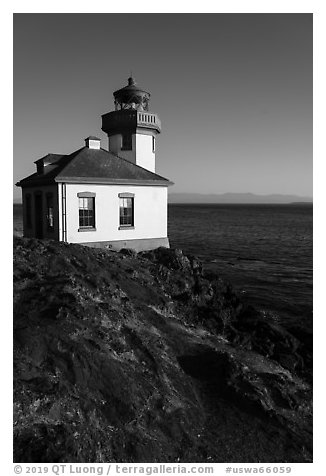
[(153, 143), (86, 210), (49, 212), (126, 142), (28, 199), (126, 210)]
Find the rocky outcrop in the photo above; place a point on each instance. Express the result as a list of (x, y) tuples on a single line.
[(146, 358)]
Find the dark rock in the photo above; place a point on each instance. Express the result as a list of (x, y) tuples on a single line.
[(128, 252), (250, 380), (124, 357), (170, 258), (254, 331)]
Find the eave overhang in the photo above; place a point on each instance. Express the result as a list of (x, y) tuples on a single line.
[(109, 181), (35, 182)]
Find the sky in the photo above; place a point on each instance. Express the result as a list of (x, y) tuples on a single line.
[(233, 92)]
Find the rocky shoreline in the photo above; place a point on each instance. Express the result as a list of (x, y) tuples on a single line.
[(148, 357)]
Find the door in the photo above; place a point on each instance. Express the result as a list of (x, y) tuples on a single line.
[(38, 215)]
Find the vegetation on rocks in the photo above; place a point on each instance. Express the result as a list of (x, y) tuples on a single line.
[(148, 358)]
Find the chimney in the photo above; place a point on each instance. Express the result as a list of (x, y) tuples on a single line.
[(93, 142)]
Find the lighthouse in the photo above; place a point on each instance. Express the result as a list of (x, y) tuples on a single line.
[(131, 128), (103, 198)]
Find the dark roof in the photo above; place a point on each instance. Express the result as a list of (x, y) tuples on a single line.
[(131, 88), (92, 138), (93, 166)]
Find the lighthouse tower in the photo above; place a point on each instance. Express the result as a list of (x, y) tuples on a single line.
[(131, 128)]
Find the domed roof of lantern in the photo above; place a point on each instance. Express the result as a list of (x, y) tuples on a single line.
[(131, 95)]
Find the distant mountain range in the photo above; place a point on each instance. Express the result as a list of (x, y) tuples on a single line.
[(235, 198), (229, 198)]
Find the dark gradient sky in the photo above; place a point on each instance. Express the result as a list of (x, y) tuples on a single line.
[(233, 91)]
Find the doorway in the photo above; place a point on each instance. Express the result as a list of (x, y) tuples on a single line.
[(38, 215)]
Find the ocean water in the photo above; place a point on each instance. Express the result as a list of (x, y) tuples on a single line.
[(265, 251)]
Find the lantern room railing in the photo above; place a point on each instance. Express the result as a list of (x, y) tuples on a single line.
[(148, 119), (128, 119)]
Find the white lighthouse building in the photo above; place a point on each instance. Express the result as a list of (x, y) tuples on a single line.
[(103, 198), (131, 128)]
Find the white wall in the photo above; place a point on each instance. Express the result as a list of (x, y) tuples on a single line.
[(145, 157), (142, 150), (115, 143), (115, 147), (150, 213)]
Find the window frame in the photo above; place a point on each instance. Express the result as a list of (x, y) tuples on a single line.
[(82, 196), (131, 224)]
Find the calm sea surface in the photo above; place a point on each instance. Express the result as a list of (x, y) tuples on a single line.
[(265, 251)]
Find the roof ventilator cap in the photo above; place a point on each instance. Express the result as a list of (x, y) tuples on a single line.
[(93, 142)]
